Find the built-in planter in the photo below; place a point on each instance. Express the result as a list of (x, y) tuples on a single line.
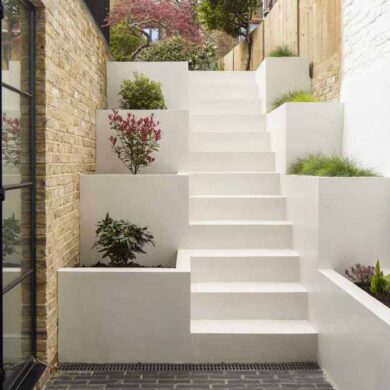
[(298, 129), (355, 327), (173, 77), (159, 202), (173, 152), (124, 315), (339, 222), (278, 75)]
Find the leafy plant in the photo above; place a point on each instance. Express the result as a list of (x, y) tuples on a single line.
[(330, 166), (378, 282), (141, 94), (282, 51), (231, 16), (199, 56), (360, 274), (11, 137), (121, 241), (138, 137), (11, 235), (123, 43), (141, 17), (299, 96)]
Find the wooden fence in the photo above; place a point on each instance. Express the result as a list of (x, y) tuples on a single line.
[(312, 28)]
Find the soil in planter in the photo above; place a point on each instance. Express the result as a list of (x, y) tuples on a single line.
[(383, 297), (130, 265)]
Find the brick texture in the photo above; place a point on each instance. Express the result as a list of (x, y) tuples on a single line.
[(71, 85)]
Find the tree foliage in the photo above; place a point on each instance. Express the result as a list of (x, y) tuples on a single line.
[(230, 16), (170, 17)]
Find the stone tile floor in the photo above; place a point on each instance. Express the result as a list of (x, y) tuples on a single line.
[(235, 380)]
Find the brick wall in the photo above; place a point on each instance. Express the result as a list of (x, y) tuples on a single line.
[(366, 33), (71, 85)]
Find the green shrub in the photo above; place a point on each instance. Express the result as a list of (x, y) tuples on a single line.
[(199, 57), (299, 96), (121, 241), (331, 166), (378, 282), (141, 94), (282, 51), (123, 43)]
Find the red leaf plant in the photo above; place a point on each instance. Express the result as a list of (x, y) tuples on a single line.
[(171, 17), (360, 274), (138, 139), (11, 137)]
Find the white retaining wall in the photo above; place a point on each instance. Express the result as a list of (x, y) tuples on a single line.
[(366, 81), (172, 75), (172, 155), (277, 76), (159, 202), (298, 129), (339, 222)]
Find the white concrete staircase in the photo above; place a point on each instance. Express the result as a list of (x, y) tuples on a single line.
[(247, 302)]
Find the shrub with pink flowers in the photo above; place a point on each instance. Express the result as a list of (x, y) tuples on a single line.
[(11, 137), (135, 140)]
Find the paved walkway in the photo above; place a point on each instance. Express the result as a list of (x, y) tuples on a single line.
[(235, 380)]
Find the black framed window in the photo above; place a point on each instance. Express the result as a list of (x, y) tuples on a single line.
[(18, 262)]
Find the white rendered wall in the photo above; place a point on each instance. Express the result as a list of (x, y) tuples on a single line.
[(339, 222), (159, 202), (298, 129), (173, 152), (366, 82), (172, 75), (277, 76)]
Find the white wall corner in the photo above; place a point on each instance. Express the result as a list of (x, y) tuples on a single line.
[(278, 75)]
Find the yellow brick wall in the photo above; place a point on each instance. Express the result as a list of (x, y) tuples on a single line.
[(71, 85)]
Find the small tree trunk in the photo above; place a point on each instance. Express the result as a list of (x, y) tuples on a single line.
[(141, 47), (249, 41)]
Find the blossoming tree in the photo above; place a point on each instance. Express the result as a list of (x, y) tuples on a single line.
[(170, 17)]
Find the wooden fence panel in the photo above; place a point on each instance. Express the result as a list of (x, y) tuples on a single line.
[(228, 61), (257, 47), (319, 29), (240, 56), (281, 26)]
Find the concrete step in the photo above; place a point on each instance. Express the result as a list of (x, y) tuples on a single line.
[(249, 341), (234, 183), (217, 141), (234, 301), (225, 106), (212, 234), (222, 92), (222, 78), (229, 161), (226, 123), (245, 265), (235, 207)]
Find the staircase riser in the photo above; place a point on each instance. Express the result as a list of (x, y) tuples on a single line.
[(235, 306), (229, 142), (223, 92), (256, 269), (247, 348), (222, 123), (226, 107), (236, 209), (235, 184), (240, 236), (247, 162)]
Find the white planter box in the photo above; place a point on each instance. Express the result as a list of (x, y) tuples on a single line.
[(276, 76), (159, 202), (124, 315), (172, 75), (170, 158), (298, 129), (354, 335)]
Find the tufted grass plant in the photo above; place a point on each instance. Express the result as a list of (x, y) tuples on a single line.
[(298, 96), (282, 51), (329, 166)]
